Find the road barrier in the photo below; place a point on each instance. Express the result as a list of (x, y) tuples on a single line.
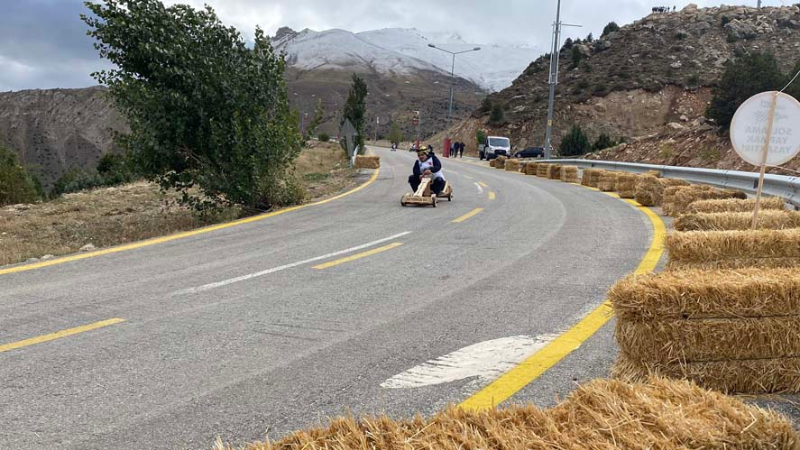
[(785, 187)]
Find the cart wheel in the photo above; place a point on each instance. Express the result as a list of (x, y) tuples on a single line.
[(434, 202), (403, 201), (450, 198)]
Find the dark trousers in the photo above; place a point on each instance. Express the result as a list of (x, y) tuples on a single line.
[(437, 186)]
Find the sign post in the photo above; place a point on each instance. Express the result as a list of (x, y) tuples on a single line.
[(765, 131)]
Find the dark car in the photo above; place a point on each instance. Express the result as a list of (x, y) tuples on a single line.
[(530, 152)]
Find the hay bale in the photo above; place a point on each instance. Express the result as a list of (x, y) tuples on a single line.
[(554, 171), (608, 181), (569, 174), (602, 414), (733, 249), (594, 178), (654, 173), (491, 162), (678, 201), (626, 185), (512, 165), (703, 340), (746, 376), (586, 177), (673, 182), (367, 162), (523, 166), (767, 220), (531, 168), (500, 162), (542, 170), (649, 191), (735, 205), (707, 294)]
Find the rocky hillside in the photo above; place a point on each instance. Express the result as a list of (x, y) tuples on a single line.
[(647, 78), (58, 129)]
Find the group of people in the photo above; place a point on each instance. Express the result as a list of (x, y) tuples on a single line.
[(663, 9), (457, 149)]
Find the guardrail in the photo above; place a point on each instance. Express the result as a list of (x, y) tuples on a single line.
[(785, 187)]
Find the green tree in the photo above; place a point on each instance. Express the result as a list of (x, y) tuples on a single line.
[(568, 44), (355, 108), (612, 27), (575, 142), (480, 136), (576, 56), (745, 77), (204, 109), (497, 117), (603, 141), (316, 121), (794, 88), (395, 135), (486, 104), (17, 185)]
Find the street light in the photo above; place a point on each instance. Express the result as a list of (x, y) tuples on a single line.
[(452, 76)]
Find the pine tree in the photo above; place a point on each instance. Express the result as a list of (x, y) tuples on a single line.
[(355, 108)]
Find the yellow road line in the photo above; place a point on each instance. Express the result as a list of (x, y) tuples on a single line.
[(177, 236), (483, 184), (59, 334), (492, 195), (468, 215), (358, 256), (532, 368)]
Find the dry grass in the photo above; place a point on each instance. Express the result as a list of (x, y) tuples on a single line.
[(648, 190), (123, 214), (684, 196), (542, 169), (746, 376), (603, 414), (673, 182), (767, 220), (626, 185), (707, 294), (569, 174), (554, 171), (735, 205), (703, 340), (512, 165), (368, 162), (733, 249), (607, 181)]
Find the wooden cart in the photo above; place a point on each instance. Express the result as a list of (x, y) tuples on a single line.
[(424, 196)]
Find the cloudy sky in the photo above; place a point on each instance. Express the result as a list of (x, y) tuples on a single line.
[(43, 43)]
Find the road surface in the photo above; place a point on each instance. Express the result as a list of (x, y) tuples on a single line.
[(276, 324)]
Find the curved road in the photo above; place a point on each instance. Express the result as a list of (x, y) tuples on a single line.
[(234, 332)]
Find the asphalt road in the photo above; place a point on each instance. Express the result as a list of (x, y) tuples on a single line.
[(235, 333)]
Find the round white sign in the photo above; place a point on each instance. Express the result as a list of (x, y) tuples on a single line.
[(749, 129)]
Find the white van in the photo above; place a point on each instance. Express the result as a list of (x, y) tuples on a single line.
[(494, 146)]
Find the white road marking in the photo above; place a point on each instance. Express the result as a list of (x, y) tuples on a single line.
[(486, 361), (480, 189), (217, 284), (467, 177)]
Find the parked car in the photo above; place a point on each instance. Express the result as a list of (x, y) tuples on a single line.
[(494, 146), (530, 152)]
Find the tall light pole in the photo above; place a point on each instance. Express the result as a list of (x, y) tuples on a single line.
[(554, 54), (452, 76)]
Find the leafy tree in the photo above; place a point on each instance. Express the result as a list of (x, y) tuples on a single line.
[(395, 135), (497, 117), (575, 142), (486, 104), (603, 141), (612, 27), (480, 136), (17, 185), (316, 121), (355, 108), (115, 169), (589, 38), (204, 108), (568, 44), (745, 77), (576, 56)]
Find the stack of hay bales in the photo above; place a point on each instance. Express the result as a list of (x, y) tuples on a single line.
[(523, 166), (512, 165), (670, 182), (735, 205), (767, 220), (626, 185), (554, 171), (500, 162), (531, 168), (607, 181), (491, 162), (586, 177), (648, 190), (569, 174), (542, 170), (368, 162), (677, 199), (733, 249), (733, 331)]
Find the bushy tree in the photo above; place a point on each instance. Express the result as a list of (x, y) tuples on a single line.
[(204, 108), (568, 44), (743, 78), (576, 56), (17, 185), (612, 27), (480, 136), (589, 38), (498, 116), (575, 142), (395, 135), (316, 121), (603, 141), (355, 108), (486, 104), (324, 137)]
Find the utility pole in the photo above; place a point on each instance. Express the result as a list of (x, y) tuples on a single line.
[(377, 125), (759, 4), (555, 52)]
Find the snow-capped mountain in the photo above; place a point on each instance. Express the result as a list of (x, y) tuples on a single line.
[(399, 51)]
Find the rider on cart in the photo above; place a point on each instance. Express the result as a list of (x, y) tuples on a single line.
[(427, 164)]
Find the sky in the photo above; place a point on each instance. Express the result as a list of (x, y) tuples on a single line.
[(43, 43)]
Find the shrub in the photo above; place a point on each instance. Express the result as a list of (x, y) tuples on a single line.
[(742, 79), (497, 117), (612, 27), (576, 56), (323, 137), (731, 38), (603, 141), (76, 180), (575, 142), (583, 84), (480, 136), (567, 44), (600, 90), (693, 80), (586, 67), (486, 105), (681, 35), (17, 185)]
